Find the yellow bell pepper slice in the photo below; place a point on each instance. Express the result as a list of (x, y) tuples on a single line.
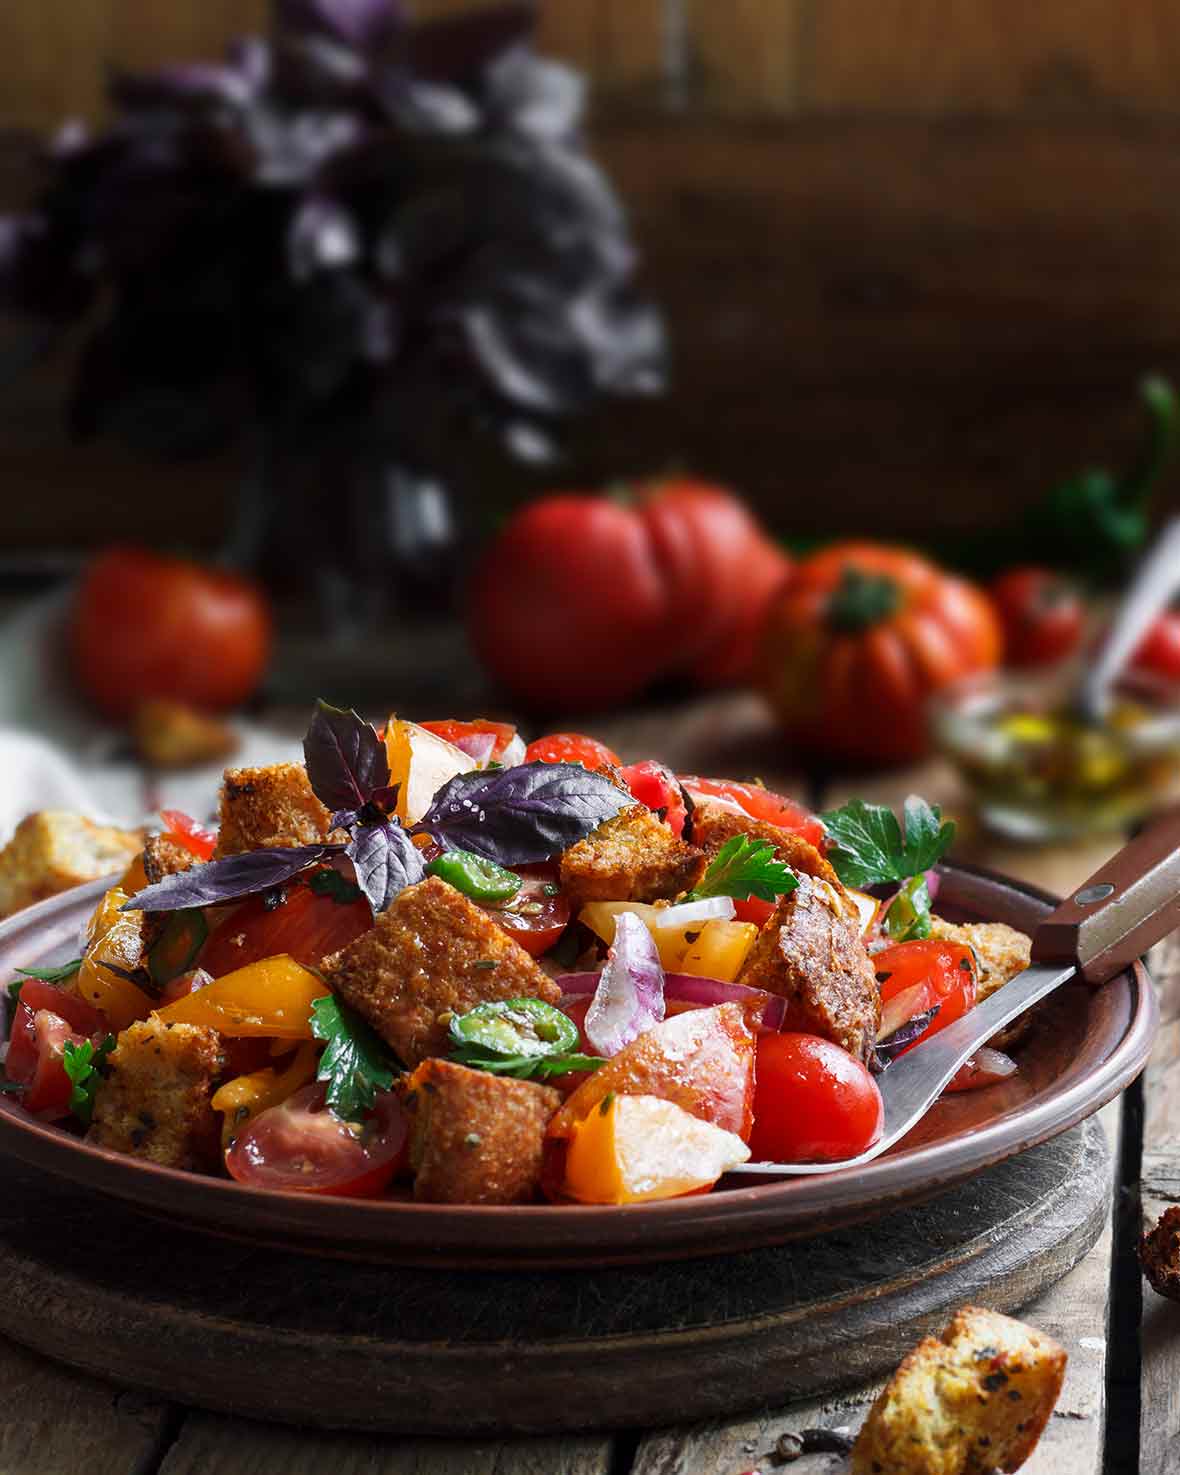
[(673, 928), (134, 878), (271, 997), (720, 950), (420, 762), (245, 1096), (114, 937)]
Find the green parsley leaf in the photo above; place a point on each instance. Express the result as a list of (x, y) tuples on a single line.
[(357, 1063), (81, 1063), (745, 867), (523, 1067), (870, 848), (46, 975), (332, 883), (908, 917)]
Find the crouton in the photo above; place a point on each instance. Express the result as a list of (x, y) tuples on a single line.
[(1159, 1255), (476, 1138), (164, 856), (812, 954), (172, 735), (53, 850), (974, 1400), (430, 955), (271, 806), (1002, 953), (156, 1103), (715, 824), (632, 857)]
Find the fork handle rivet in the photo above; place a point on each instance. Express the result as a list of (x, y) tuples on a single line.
[(1090, 894)]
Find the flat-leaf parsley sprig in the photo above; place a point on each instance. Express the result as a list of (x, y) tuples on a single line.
[(745, 867)]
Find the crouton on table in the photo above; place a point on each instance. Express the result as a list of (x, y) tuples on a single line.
[(476, 1138), (974, 1400), (156, 1103), (172, 735), (53, 850), (812, 954), (1159, 1254), (713, 825), (271, 806), (631, 857), (430, 955)]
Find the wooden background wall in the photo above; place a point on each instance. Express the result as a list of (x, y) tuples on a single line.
[(914, 253)]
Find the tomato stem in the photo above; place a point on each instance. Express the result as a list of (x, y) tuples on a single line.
[(861, 600)]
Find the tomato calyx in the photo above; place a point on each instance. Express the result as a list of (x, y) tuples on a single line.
[(862, 600)]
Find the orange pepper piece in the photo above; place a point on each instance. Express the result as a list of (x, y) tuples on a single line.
[(271, 997), (113, 937)]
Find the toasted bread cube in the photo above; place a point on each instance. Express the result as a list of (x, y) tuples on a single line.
[(53, 850), (1002, 953), (632, 857), (271, 806), (811, 952), (974, 1400), (431, 954), (713, 825), (1159, 1254), (164, 856), (172, 735), (156, 1103), (477, 1138)]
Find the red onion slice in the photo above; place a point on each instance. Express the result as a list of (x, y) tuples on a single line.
[(689, 988), (478, 745), (629, 998)]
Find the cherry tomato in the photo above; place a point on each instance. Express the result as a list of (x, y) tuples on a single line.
[(35, 1058), (307, 924), (572, 747), (1042, 614), (453, 731), (1160, 651), (145, 626), (537, 915), (947, 969), (186, 831), (760, 803), (813, 1102), (301, 1146), (36, 994), (656, 786)]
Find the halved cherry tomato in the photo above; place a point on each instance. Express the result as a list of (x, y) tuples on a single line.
[(306, 924), (188, 832), (453, 731), (1042, 613), (760, 803), (813, 1102), (656, 786), (47, 1087), (985, 1068), (538, 914), (301, 1146), (572, 747), (36, 994), (947, 969), (1160, 651)]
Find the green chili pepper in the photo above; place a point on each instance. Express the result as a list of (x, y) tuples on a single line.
[(516, 1027), (480, 879), (176, 948)]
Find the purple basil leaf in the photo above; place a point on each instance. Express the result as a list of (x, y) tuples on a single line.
[(894, 1044), (345, 758), (386, 861), (629, 998), (516, 816), (224, 880)]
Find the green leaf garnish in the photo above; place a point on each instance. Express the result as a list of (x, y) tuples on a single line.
[(745, 867), (357, 1063), (869, 845), (523, 1067), (81, 1063), (46, 975), (908, 917)]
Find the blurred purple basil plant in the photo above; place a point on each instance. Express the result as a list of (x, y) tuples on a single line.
[(355, 232)]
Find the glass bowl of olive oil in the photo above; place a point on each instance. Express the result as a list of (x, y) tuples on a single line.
[(1038, 771)]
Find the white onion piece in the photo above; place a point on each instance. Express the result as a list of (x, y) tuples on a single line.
[(629, 998), (513, 754)]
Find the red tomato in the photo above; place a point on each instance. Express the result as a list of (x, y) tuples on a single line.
[(760, 803), (47, 1087), (453, 731), (947, 970), (186, 831), (301, 1146), (732, 659), (1042, 614), (36, 994), (753, 909), (306, 924), (1160, 651), (656, 786), (145, 626), (813, 1102), (533, 917), (572, 747), (985, 1068)]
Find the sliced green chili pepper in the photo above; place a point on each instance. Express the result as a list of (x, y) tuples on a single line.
[(480, 879), (516, 1027), (176, 948)]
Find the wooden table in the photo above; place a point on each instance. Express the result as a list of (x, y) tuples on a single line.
[(1120, 1410)]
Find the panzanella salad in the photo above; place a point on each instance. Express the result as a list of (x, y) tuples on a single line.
[(430, 955)]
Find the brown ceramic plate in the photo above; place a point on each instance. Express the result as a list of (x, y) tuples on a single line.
[(1086, 1046)]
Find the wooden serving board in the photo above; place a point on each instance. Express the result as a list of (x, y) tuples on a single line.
[(284, 1337)]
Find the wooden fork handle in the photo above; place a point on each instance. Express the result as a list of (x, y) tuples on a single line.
[(1123, 909)]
